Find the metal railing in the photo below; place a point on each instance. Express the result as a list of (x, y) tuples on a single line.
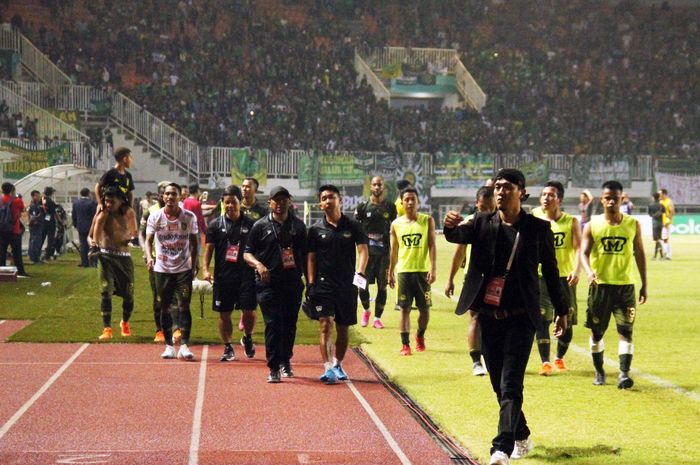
[(364, 71), (280, 164), (62, 97), (439, 57), (468, 88), (47, 124), (156, 135), (32, 58)]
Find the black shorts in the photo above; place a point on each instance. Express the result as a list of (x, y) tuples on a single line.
[(116, 275), (228, 296), (414, 286), (605, 300), (376, 269), (174, 287), (341, 305), (546, 307), (656, 229)]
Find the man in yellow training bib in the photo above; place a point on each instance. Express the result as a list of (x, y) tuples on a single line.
[(413, 257), (610, 242)]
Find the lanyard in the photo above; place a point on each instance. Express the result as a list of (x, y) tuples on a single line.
[(228, 238), (512, 253)]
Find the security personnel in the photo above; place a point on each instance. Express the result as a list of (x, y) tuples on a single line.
[(276, 249)]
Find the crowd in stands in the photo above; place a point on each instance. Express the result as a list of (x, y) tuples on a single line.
[(582, 76)]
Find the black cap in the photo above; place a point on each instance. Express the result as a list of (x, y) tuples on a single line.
[(279, 190), (511, 175)]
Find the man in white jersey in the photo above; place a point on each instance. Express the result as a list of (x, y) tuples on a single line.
[(174, 230), (612, 243)]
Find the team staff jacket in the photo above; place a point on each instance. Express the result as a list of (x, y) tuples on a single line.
[(267, 241), (376, 221), (536, 245), (335, 252), (229, 238)]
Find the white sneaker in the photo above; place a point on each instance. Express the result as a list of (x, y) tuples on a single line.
[(169, 352), (522, 448), (478, 369), (499, 458), (185, 353)]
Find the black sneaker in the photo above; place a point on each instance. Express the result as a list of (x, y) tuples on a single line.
[(248, 346), (286, 369), (599, 379), (274, 377), (624, 381), (228, 354)]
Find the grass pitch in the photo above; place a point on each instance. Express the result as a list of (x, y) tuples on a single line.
[(573, 422)]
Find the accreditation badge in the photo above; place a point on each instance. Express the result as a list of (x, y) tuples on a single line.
[(232, 253), (494, 291), (288, 259)]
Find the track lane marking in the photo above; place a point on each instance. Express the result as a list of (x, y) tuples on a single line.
[(380, 425), (198, 407), (27, 405)]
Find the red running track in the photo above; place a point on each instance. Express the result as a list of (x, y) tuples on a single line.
[(122, 404)]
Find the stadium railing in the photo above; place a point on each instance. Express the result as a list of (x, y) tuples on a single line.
[(364, 71), (33, 60), (62, 97), (48, 124), (467, 86)]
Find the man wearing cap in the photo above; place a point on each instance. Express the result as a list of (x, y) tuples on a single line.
[(502, 288), (276, 249)]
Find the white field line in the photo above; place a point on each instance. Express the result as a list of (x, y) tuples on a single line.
[(199, 403)]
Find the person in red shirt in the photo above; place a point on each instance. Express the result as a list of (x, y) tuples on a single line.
[(193, 204), (12, 238)]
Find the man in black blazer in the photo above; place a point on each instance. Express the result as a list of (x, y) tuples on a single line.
[(506, 298), (83, 211)]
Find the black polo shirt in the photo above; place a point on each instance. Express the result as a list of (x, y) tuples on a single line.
[(335, 252), (266, 240), (256, 212), (376, 222), (223, 232)]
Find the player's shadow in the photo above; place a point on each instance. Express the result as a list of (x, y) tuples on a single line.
[(556, 454)]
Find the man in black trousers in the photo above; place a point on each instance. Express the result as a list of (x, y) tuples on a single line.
[(83, 211), (501, 287)]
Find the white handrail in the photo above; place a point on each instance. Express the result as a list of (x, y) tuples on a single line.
[(31, 57), (467, 86), (62, 97), (47, 124), (364, 71)]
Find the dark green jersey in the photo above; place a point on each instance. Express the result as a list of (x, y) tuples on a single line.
[(376, 221), (256, 212)]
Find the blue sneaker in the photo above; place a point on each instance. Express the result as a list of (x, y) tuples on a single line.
[(329, 377), (340, 373)]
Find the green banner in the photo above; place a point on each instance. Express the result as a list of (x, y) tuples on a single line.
[(322, 168), (684, 225), (462, 170), (67, 116), (594, 170), (34, 160), (247, 163), (536, 173)]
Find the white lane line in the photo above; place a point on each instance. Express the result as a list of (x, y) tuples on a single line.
[(646, 376), (2, 321), (199, 403), (380, 425), (27, 405)]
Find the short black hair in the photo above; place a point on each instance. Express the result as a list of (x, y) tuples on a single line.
[(254, 181), (663, 191), (408, 189), (234, 191), (194, 188), (402, 184), (485, 192), (558, 186), (613, 185), (7, 188), (176, 186), (84, 192), (114, 191), (31, 194), (121, 152), (656, 196), (328, 187)]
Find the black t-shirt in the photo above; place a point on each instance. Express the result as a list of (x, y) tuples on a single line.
[(113, 177), (255, 213), (335, 252), (50, 210), (510, 298), (376, 222), (268, 238), (223, 232), (656, 211)]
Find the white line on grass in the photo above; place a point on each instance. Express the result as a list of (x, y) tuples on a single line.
[(649, 377), (27, 405), (2, 321), (197, 418), (378, 422)]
